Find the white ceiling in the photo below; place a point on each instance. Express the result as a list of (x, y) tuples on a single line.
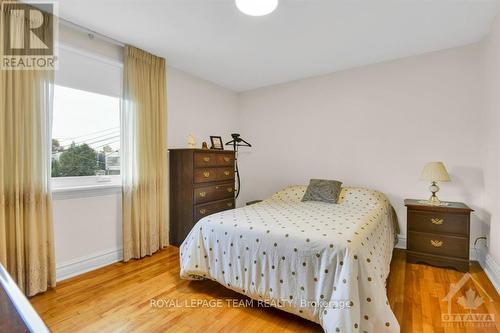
[(213, 40)]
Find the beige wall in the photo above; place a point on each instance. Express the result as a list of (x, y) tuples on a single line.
[(199, 107), (491, 138), (374, 126)]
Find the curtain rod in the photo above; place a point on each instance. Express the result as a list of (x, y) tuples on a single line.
[(91, 33)]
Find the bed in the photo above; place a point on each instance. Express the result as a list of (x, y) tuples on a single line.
[(324, 262)]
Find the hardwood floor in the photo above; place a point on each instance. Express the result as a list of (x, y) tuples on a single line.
[(117, 298)]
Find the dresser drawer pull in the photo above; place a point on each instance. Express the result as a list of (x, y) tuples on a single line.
[(230, 189), (203, 194), (230, 204), (206, 159), (226, 159), (437, 221), (206, 174), (203, 211), (227, 173), (436, 243)]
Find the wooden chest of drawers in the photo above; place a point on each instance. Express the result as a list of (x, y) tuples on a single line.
[(201, 183), (438, 235)]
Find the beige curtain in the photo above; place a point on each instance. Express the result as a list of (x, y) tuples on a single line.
[(144, 154), (26, 235)]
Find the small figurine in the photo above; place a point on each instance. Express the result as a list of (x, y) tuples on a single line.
[(191, 141), (204, 145)]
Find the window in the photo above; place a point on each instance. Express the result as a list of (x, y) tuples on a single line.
[(86, 123), (85, 134)]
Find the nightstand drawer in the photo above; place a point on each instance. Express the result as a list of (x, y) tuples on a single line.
[(449, 223), (438, 244)]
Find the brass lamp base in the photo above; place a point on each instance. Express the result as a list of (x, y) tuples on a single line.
[(433, 200)]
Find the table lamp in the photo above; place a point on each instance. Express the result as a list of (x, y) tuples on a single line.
[(434, 172)]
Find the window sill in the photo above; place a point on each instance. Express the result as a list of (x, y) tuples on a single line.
[(85, 191)]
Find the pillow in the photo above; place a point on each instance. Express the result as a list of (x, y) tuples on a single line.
[(323, 190)]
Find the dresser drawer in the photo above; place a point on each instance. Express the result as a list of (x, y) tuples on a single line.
[(200, 211), (209, 159), (213, 192), (225, 159), (205, 175), (225, 173), (438, 244), (434, 222), (204, 160)]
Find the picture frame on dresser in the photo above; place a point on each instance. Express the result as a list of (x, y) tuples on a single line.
[(217, 143), (438, 235)]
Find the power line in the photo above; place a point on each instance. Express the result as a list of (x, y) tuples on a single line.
[(108, 143), (103, 140), (81, 136), (91, 138), (93, 141)]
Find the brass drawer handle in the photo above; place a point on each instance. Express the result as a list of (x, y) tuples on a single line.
[(437, 221), (227, 173), (203, 194), (230, 204), (206, 174), (436, 243), (226, 159), (206, 159), (230, 189), (203, 211)]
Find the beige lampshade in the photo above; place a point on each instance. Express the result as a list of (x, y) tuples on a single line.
[(435, 171)]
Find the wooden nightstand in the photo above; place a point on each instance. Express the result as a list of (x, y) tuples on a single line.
[(438, 235)]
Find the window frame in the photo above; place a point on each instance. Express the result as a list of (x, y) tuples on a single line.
[(84, 186)]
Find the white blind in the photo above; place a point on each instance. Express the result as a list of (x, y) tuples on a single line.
[(89, 64), (83, 71)]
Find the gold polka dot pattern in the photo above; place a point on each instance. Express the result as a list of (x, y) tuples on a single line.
[(325, 262)]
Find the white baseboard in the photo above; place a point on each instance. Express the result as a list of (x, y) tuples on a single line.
[(478, 254), (88, 263), (492, 269), (401, 244)]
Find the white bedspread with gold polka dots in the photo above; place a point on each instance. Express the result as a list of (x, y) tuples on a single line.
[(325, 262)]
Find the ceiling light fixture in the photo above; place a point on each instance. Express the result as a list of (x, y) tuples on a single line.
[(256, 7)]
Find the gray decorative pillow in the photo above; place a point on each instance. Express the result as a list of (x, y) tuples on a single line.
[(323, 190)]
